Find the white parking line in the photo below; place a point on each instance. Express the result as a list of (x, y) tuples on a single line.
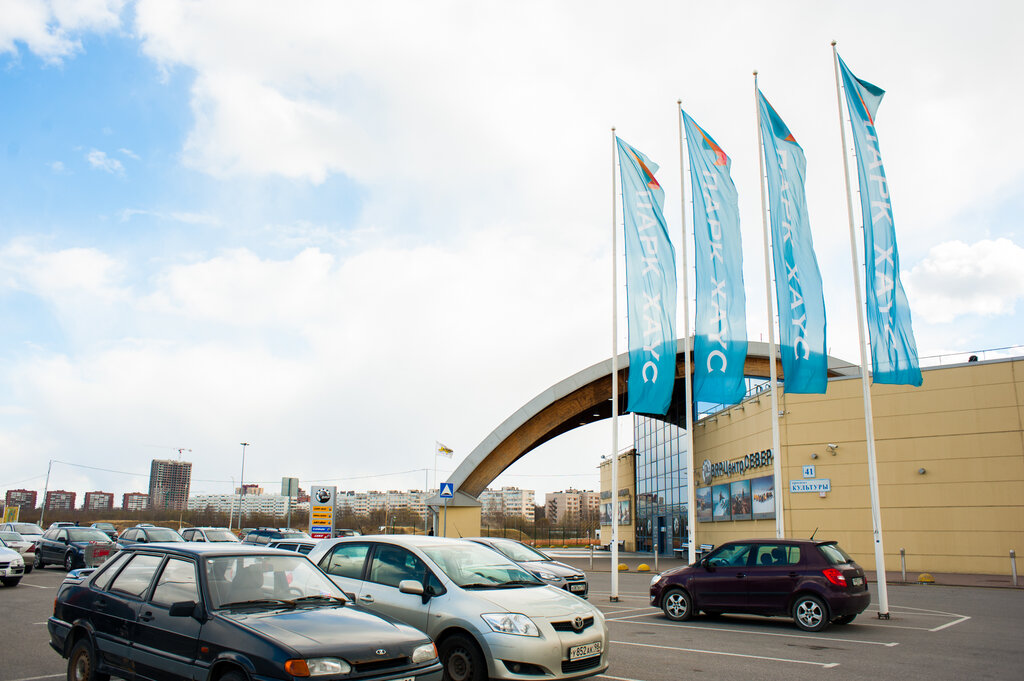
[(629, 620), (824, 665), (37, 678), (36, 586), (964, 618)]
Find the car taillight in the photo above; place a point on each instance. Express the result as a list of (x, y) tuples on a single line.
[(834, 576)]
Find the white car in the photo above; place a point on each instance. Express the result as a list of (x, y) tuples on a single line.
[(29, 531), (489, 617), (12, 566), (25, 547)]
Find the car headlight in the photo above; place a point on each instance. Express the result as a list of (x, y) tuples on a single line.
[(317, 666), (511, 623), (549, 576), (424, 653), (656, 578)]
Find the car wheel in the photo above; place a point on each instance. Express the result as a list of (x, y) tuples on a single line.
[(462, 660), (38, 562), (29, 566), (845, 619), (11, 581), (69, 561), (677, 605), (232, 676), (82, 663), (810, 613)]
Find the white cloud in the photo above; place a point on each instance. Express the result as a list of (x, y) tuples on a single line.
[(129, 153), (984, 278), (79, 273), (47, 28), (100, 161)]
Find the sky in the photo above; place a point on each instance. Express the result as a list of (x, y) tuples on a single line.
[(342, 232)]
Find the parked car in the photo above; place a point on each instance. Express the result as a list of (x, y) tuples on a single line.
[(61, 523), (73, 547), (265, 535), (814, 582), (107, 528), (29, 531), (489, 617), (12, 566), (209, 534), (147, 534), (229, 612), (346, 532), (548, 569), (26, 548), (303, 546)]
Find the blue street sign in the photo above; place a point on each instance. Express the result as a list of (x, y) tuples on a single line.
[(447, 490)]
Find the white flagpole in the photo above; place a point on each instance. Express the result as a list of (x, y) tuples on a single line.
[(780, 530), (691, 480), (615, 394), (869, 425)]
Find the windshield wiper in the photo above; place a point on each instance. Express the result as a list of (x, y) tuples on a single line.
[(257, 602), (478, 585), (319, 598), (519, 582)]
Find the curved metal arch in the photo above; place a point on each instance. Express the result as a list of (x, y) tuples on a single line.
[(579, 400)]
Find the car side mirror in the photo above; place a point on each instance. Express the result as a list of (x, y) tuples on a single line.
[(63, 540), (186, 609), (708, 565)]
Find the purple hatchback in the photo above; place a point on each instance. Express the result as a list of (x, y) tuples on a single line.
[(814, 582)]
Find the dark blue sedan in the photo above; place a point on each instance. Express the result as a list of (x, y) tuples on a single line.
[(73, 547), (228, 613)]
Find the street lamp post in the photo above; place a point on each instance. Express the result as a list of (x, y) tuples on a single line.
[(241, 485)]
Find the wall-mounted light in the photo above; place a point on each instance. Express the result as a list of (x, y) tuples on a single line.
[(921, 471), (814, 455)]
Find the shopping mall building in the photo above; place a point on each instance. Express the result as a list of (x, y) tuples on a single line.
[(950, 461)]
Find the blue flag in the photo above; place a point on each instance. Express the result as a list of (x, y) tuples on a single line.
[(797, 278), (720, 336), (893, 350), (650, 285)]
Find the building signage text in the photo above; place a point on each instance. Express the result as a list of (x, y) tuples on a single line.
[(753, 460)]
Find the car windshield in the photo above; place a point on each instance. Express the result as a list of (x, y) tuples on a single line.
[(11, 536), (103, 526), (473, 566), (294, 534), (834, 555), (162, 534), (516, 550), (268, 581), (220, 535), (27, 528), (86, 534)]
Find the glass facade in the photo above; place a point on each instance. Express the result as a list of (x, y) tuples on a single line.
[(661, 480)]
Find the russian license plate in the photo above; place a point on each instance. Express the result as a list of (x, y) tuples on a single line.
[(857, 581), (577, 587), (586, 650)]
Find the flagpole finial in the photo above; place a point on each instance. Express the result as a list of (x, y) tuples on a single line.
[(833, 43), (755, 72), (679, 102), (613, 128)]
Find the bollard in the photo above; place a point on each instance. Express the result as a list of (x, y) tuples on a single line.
[(903, 564), (1013, 565), (655, 555), (591, 556)]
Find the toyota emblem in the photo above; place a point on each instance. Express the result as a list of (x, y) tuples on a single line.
[(577, 624), (381, 651)]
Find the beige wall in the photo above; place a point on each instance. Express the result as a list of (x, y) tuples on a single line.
[(626, 472), (963, 426)]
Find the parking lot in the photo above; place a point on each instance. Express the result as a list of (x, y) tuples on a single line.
[(935, 632)]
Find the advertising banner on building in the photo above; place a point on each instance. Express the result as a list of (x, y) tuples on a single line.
[(321, 512)]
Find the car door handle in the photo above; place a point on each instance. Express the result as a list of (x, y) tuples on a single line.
[(368, 598), (146, 616), (793, 574), (741, 575)]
